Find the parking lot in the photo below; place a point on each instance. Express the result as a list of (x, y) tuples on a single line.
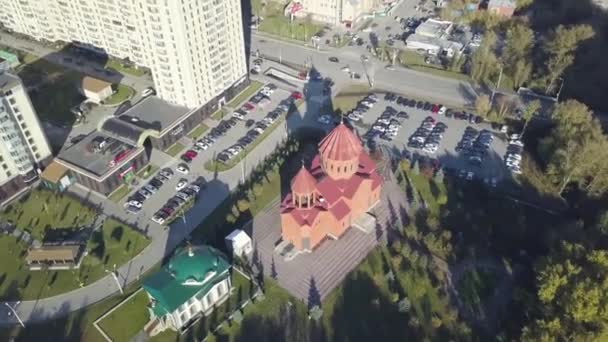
[(161, 190), (401, 122)]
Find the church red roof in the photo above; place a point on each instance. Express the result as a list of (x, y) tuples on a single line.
[(340, 144), (303, 182)]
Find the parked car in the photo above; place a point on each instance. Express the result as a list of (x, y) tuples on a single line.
[(183, 168), (148, 91)]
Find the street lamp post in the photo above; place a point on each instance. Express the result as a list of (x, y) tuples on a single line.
[(497, 85), (12, 308), (113, 273)]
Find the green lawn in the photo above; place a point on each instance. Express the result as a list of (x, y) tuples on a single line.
[(198, 131), (122, 94), (117, 195), (147, 171), (55, 88), (134, 311), (347, 98), (42, 209), (415, 61), (114, 244), (76, 326), (116, 65), (218, 115), (56, 95), (215, 165), (432, 192), (277, 24), (175, 149), (475, 286), (251, 89)]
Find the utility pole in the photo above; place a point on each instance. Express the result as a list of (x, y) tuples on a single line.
[(113, 273), (12, 308), (497, 85), (562, 81)]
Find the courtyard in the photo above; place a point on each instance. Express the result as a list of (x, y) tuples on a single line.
[(45, 216)]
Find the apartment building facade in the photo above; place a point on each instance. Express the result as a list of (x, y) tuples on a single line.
[(195, 48), (338, 12), (23, 145)]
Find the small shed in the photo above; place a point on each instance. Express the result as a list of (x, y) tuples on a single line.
[(56, 177), (239, 243), (95, 89)]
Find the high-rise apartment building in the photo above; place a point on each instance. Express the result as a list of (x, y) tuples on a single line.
[(195, 48), (23, 145), (338, 12)]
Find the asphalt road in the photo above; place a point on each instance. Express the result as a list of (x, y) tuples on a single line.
[(454, 92)]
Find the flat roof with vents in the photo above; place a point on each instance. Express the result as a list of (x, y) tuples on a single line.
[(153, 113), (89, 156)]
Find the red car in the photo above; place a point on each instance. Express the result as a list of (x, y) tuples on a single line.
[(435, 109), (296, 95), (191, 154), (248, 106), (168, 210)]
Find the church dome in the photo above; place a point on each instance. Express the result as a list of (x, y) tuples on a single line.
[(303, 182), (341, 144), (195, 263)]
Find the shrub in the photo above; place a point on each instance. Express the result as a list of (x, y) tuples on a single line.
[(243, 205), (230, 218), (442, 199)]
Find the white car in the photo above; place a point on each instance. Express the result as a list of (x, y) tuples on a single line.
[(183, 169), (345, 69), (202, 145), (150, 188), (368, 104), (148, 91), (133, 203), (194, 188), (379, 128), (267, 90), (353, 117), (181, 184), (514, 156), (442, 110), (324, 119), (470, 176), (238, 115), (158, 219), (514, 136), (515, 169), (517, 143)]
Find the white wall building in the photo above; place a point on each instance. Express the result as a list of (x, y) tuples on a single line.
[(195, 48), (23, 145), (434, 36), (239, 243), (194, 281), (336, 12)]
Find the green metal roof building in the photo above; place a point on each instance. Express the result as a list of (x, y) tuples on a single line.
[(195, 279)]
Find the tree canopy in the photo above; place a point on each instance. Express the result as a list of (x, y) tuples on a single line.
[(573, 290)]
